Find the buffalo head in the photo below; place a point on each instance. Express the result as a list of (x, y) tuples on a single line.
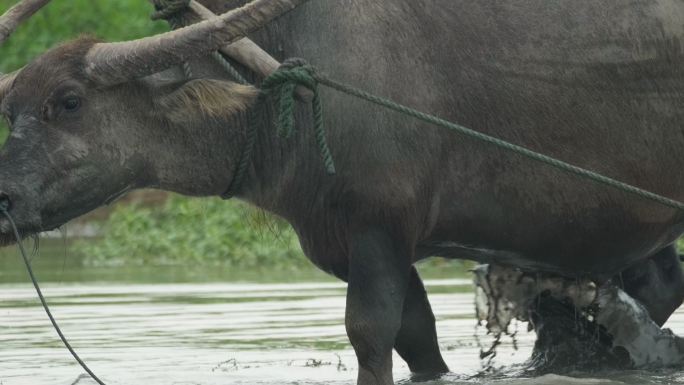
[(86, 125)]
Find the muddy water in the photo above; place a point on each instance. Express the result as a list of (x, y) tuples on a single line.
[(206, 334)]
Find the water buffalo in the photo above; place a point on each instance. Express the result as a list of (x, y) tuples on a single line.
[(595, 83)]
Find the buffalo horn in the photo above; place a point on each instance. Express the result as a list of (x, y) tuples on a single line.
[(16, 15), (9, 22), (114, 63)]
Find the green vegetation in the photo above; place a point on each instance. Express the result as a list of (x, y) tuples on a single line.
[(196, 234), (195, 231), (200, 233)]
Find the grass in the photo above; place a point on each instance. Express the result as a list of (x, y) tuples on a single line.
[(188, 231), (209, 232)]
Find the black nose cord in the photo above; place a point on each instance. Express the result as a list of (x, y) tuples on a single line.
[(4, 206)]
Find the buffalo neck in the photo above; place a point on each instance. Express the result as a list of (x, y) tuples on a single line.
[(279, 166)]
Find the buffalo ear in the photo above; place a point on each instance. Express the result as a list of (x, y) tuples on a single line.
[(205, 98)]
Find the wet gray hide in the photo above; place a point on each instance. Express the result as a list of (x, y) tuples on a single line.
[(579, 326)]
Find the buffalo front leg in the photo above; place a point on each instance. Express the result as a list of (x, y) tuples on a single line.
[(416, 341), (377, 281)]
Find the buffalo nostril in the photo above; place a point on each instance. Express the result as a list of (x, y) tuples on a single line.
[(5, 203)]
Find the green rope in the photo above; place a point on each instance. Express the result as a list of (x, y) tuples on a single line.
[(253, 121), (287, 78), (225, 64), (284, 82)]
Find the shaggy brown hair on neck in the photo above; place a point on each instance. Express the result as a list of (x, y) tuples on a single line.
[(206, 98)]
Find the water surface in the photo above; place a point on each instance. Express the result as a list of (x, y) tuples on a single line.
[(193, 330), (226, 334)]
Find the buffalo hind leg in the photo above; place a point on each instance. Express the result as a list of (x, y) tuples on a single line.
[(416, 341), (377, 281), (657, 283)]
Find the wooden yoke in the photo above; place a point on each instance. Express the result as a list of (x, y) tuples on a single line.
[(244, 51)]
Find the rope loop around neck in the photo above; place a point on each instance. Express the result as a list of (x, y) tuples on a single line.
[(282, 83)]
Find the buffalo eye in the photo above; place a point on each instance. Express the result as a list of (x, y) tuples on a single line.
[(72, 103)]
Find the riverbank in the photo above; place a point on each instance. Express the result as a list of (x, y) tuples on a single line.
[(58, 261)]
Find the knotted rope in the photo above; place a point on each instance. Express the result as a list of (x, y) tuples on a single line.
[(282, 83)]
